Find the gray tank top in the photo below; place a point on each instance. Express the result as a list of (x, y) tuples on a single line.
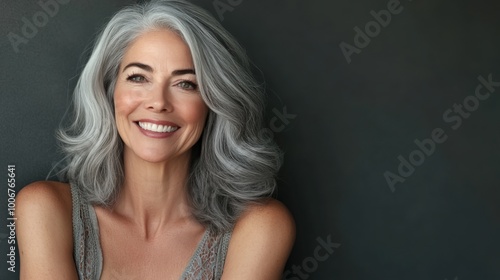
[(206, 263)]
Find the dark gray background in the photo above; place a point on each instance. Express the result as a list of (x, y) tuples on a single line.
[(352, 121)]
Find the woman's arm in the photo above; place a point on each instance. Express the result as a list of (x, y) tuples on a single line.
[(261, 243), (45, 232)]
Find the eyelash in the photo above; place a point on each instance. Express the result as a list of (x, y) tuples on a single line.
[(133, 76), (193, 86)]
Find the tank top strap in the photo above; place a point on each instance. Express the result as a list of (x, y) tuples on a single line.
[(208, 260), (86, 248)]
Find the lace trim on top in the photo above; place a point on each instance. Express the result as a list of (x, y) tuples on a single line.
[(207, 262), (87, 251)]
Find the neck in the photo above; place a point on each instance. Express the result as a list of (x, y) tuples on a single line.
[(154, 195)]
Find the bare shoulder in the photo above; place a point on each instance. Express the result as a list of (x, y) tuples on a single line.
[(271, 216), (44, 200), (45, 231), (46, 193), (261, 242)]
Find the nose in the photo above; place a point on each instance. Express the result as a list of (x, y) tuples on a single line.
[(159, 100)]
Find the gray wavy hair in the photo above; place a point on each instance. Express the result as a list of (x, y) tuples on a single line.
[(232, 164)]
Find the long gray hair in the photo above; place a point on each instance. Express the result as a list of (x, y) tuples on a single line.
[(232, 164)]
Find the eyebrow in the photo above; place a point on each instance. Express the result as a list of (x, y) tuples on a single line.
[(150, 69), (183, 72), (140, 65)]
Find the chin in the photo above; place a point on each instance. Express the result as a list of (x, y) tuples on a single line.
[(154, 158)]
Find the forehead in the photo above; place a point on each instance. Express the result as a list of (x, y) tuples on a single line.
[(159, 48)]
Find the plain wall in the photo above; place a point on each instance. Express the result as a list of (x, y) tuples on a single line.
[(344, 122)]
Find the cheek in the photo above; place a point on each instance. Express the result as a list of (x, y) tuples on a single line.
[(197, 112), (121, 106), (125, 101), (120, 116)]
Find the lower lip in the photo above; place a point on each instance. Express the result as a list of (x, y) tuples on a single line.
[(153, 134)]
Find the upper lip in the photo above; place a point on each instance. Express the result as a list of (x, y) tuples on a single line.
[(158, 122)]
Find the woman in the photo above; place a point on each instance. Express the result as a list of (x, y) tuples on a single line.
[(167, 176)]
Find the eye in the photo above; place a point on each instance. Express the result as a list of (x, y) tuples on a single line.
[(136, 78), (188, 85)]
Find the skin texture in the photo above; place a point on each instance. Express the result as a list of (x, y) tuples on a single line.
[(150, 233)]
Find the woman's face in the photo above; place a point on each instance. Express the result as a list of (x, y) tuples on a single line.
[(159, 111)]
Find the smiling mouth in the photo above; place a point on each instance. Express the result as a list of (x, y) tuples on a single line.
[(157, 127)]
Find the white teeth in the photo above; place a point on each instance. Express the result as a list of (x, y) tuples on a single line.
[(157, 127)]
